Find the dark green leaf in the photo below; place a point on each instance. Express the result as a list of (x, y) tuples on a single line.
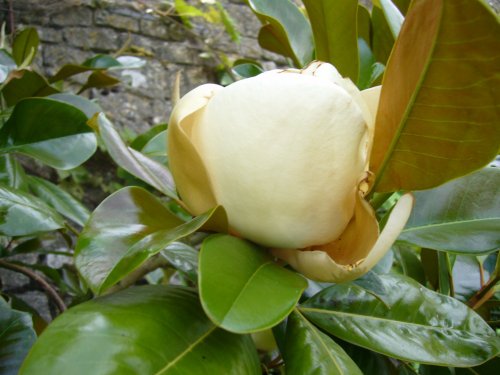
[(26, 84), (22, 214), (149, 330), (285, 30), (51, 131), (247, 70), (460, 216), (25, 46), (488, 368), (408, 262), (335, 33), (59, 199), (128, 228), (382, 37), (369, 362), (12, 173), (308, 351), (364, 24), (420, 325), (369, 70), (142, 139), (101, 62), (241, 288), (16, 338), (99, 79), (134, 162)]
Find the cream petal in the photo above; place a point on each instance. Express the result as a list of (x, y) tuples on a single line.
[(282, 153), (371, 97), (318, 265), (190, 175)]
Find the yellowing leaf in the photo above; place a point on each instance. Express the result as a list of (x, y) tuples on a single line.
[(438, 117)]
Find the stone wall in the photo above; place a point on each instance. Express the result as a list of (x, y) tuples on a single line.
[(74, 30)]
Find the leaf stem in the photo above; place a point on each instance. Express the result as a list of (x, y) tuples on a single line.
[(37, 278), (378, 200), (483, 294)]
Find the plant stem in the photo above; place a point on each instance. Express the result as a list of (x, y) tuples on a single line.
[(483, 294), (150, 265), (37, 278), (378, 200)]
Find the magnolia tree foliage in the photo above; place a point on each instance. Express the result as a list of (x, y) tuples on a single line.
[(337, 216)]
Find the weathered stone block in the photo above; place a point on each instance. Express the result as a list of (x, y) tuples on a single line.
[(72, 16), (97, 39), (106, 18)]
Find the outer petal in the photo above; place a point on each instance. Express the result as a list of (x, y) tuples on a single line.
[(190, 175), (284, 152), (355, 254), (371, 97)]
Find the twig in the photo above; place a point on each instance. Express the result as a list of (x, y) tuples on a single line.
[(37, 278), (483, 294), (150, 265)]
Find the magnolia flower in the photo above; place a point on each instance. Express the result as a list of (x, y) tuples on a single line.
[(286, 154)]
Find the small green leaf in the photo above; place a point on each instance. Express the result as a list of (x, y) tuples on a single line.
[(101, 61), (142, 139), (156, 148), (51, 131), (183, 257), (392, 15), (241, 288), (461, 216), (12, 173), (59, 199), (285, 31), (99, 79), (421, 325), (308, 351), (247, 70), (22, 214), (335, 33), (369, 70), (26, 84), (408, 262), (134, 162), (96, 63), (124, 231), (149, 330), (468, 277), (16, 338), (25, 46)]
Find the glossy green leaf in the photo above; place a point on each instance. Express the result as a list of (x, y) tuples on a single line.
[(12, 173), (26, 84), (420, 325), (134, 162), (335, 33), (285, 31), (22, 214), (124, 231), (402, 5), (183, 257), (51, 131), (88, 107), (461, 216), (442, 123), (59, 199), (156, 148), (370, 363), (241, 288), (309, 351), (149, 330), (25, 46), (16, 338), (101, 61)]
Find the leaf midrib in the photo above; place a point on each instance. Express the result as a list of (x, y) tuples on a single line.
[(448, 223), (186, 351)]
